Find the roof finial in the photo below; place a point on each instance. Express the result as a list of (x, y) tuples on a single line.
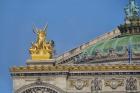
[(132, 9)]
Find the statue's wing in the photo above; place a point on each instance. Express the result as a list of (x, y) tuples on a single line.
[(46, 27), (34, 29)]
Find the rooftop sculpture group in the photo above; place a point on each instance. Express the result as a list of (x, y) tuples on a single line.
[(132, 10), (42, 49)]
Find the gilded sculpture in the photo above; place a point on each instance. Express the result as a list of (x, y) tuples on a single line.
[(41, 49)]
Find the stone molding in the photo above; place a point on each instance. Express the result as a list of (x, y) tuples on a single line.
[(75, 68), (39, 83)]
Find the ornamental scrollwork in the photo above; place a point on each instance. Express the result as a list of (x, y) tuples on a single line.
[(114, 83), (79, 84)]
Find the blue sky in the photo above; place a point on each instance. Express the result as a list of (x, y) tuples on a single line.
[(70, 24)]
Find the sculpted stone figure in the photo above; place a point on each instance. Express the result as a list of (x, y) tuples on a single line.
[(132, 10), (131, 84), (98, 54), (96, 85)]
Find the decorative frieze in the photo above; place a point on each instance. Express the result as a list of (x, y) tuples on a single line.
[(79, 84), (114, 83), (111, 56), (75, 68), (22, 75)]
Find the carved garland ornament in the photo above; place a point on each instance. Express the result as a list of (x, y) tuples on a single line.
[(114, 83), (79, 84)]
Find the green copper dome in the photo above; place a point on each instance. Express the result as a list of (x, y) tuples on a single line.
[(119, 45)]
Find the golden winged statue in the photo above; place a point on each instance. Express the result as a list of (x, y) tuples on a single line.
[(41, 49)]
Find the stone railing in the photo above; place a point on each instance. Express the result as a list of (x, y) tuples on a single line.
[(78, 50)]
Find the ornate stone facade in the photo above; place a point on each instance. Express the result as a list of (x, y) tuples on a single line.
[(39, 87), (78, 79), (109, 66), (79, 86)]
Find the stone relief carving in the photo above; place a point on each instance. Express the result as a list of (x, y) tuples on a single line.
[(39, 90), (79, 84), (114, 83), (39, 87), (112, 53), (98, 54), (131, 84), (96, 85)]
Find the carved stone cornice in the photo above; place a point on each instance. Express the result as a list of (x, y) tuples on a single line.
[(75, 68)]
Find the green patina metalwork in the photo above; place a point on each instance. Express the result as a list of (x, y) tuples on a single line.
[(132, 9), (119, 44)]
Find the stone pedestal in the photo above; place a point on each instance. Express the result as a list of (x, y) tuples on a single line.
[(41, 62)]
